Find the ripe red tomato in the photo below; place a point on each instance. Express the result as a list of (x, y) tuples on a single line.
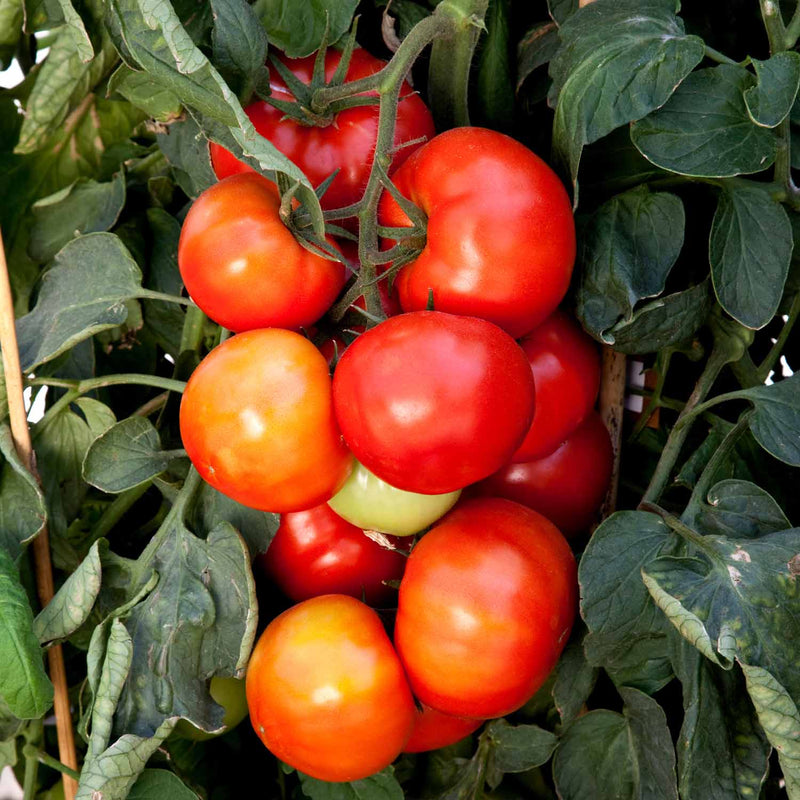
[(257, 422), (485, 608), (566, 370), (326, 691), (431, 402), (501, 237), (433, 730), (243, 266), (316, 552), (346, 144), (567, 486)]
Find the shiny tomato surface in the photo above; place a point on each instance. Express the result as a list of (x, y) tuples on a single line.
[(566, 369), (500, 234), (485, 608), (567, 486), (433, 730), (317, 552), (243, 266), (346, 144), (431, 402), (326, 691), (257, 422)]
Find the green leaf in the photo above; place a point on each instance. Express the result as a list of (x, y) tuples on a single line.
[(8, 754), (145, 93), (10, 726), (158, 784), (629, 245), (126, 455), (722, 750), (72, 603), (80, 38), (536, 49), (619, 60), (518, 748), (84, 293), (22, 507), (629, 755), (770, 100), (298, 28), (561, 10), (750, 249), (667, 321), (627, 631), (780, 719), (10, 29), (84, 207), (186, 150), (494, 106), (705, 130), (24, 685), (740, 508), (380, 786), (575, 679), (736, 599)]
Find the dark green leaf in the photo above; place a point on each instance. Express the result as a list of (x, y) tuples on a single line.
[(72, 603), (604, 754), (82, 42), (24, 685), (10, 29), (750, 249), (736, 466), (627, 631), (381, 786), (619, 60), (722, 751), (740, 508), (298, 28), (736, 600), (126, 455), (770, 100), (517, 748), (146, 93), (536, 49), (159, 784), (22, 508), (560, 10), (629, 245), (10, 726), (494, 105), (705, 130), (186, 150), (671, 319), (84, 207), (575, 679)]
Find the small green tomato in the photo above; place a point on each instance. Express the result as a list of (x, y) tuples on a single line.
[(230, 694), (372, 504)]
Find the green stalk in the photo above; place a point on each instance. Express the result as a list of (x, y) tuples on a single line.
[(768, 364), (685, 532), (792, 32), (31, 751), (121, 504), (192, 332)]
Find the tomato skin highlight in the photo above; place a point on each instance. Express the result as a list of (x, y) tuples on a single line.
[(566, 370), (567, 486), (243, 266), (500, 234), (317, 552), (347, 144), (257, 422), (431, 402), (326, 691), (433, 730), (485, 608)]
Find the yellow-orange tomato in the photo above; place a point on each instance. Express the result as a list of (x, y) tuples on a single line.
[(257, 422), (326, 691)]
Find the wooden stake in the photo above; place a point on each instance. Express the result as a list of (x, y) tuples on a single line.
[(612, 400), (41, 544)]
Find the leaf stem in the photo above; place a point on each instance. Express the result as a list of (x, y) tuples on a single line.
[(192, 331), (121, 504), (775, 352), (80, 387), (720, 58), (31, 751), (684, 531), (792, 32)]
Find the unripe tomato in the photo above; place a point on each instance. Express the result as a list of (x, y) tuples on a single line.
[(500, 237), (567, 486), (317, 552), (485, 608), (372, 504), (230, 694), (566, 370), (243, 266), (257, 422), (433, 730), (326, 691), (345, 144), (431, 402)]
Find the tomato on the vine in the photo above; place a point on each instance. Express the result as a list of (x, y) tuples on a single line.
[(500, 233), (257, 422), (244, 267), (345, 143), (433, 729), (485, 608), (326, 691), (432, 402), (317, 552)]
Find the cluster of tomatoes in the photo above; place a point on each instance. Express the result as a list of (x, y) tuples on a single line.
[(433, 419)]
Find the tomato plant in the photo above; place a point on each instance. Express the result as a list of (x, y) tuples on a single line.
[(486, 605), (326, 691), (317, 552), (431, 402), (274, 443)]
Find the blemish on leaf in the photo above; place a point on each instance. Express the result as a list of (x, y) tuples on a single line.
[(794, 565), (736, 576), (741, 555)]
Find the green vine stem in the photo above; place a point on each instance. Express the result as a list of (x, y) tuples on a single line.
[(33, 752), (118, 507), (792, 32), (768, 364), (684, 531), (192, 331)]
